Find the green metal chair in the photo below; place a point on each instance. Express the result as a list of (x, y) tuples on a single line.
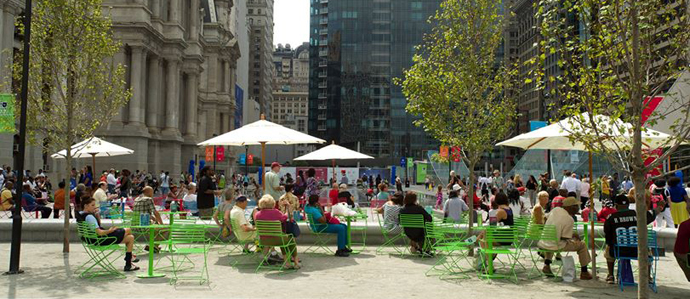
[(250, 245), (101, 257), (269, 232), (495, 237), (543, 233), (389, 239), (450, 252), (414, 221), (321, 238), (188, 240)]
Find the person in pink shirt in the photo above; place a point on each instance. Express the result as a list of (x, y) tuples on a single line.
[(268, 212)]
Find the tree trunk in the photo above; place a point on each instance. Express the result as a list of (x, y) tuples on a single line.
[(65, 230), (642, 249), (470, 194)]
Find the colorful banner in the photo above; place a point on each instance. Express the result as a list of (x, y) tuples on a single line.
[(7, 113), (537, 124), (456, 153), (410, 162), (220, 153), (321, 174), (443, 151), (250, 159), (209, 154), (403, 161), (243, 159)]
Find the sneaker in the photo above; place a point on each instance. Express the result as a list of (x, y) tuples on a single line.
[(246, 251), (610, 279), (131, 268), (342, 253), (547, 271), (348, 250), (585, 276)]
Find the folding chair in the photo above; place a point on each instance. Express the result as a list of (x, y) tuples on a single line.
[(188, 240), (271, 235), (322, 238), (627, 238), (389, 239), (451, 251), (495, 236), (414, 221), (101, 257)]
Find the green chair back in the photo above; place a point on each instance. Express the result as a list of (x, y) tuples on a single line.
[(496, 234), (269, 228), (412, 221), (311, 222)]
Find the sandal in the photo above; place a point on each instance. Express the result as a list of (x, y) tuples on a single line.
[(131, 268), (610, 279)]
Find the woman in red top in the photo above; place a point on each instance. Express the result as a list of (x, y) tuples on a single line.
[(333, 194)]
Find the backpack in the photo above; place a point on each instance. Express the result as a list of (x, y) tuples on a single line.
[(658, 195)]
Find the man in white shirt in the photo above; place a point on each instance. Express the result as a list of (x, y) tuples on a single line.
[(562, 219), (111, 180), (572, 184), (243, 230), (100, 196)]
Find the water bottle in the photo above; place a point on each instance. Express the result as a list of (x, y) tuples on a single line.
[(147, 219), (173, 206), (142, 219)]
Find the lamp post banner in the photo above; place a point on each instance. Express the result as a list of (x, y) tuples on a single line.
[(7, 113)]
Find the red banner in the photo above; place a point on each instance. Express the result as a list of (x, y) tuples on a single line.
[(250, 159), (650, 104), (220, 153), (456, 153)]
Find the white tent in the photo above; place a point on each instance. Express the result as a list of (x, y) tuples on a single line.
[(93, 147), (556, 136), (261, 132)]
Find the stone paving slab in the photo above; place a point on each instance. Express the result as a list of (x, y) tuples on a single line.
[(49, 275)]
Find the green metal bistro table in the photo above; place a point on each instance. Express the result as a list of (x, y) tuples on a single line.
[(152, 236), (349, 220), (171, 215)]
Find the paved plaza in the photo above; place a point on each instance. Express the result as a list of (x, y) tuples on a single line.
[(49, 274)]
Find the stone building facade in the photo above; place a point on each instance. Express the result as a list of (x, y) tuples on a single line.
[(260, 16), (180, 58)]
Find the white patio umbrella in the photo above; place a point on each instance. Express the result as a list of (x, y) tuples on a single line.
[(333, 152), (555, 137), (262, 132), (94, 147)]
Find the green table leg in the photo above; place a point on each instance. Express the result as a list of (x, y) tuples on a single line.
[(150, 273), (349, 235)]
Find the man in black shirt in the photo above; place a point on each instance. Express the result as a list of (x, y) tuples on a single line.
[(206, 193), (624, 218)]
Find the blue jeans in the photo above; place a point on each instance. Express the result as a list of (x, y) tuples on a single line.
[(341, 230)]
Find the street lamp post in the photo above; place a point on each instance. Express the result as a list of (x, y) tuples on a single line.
[(19, 160)]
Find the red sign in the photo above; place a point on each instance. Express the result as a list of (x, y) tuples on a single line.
[(209, 154), (250, 159), (456, 153), (220, 153), (650, 105), (443, 151)]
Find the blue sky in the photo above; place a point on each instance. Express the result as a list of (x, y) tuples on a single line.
[(291, 18)]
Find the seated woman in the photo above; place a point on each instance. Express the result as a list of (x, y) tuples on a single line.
[(173, 195), (504, 215), (416, 235), (117, 235), (345, 196), (538, 212), (391, 213), (30, 204), (222, 214), (268, 212), (321, 224)]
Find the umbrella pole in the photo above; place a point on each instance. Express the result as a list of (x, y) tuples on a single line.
[(263, 164), (93, 164), (591, 220)]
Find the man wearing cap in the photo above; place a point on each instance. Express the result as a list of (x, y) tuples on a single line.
[(272, 186), (454, 206), (344, 179), (562, 219), (244, 231), (623, 218)]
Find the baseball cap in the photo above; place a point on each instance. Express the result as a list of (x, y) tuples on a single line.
[(571, 201), (456, 187), (622, 200), (241, 198), (275, 164)]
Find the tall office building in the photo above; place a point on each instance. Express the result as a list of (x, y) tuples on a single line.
[(357, 49), (260, 16)]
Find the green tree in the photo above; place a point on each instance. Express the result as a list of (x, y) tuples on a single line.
[(458, 87), (613, 55), (75, 86)]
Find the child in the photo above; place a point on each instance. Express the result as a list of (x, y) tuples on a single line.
[(586, 212), (439, 198), (606, 211), (492, 213)]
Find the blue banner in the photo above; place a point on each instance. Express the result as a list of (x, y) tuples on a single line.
[(537, 124), (243, 159)]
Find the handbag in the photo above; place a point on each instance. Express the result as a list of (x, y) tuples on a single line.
[(291, 227)]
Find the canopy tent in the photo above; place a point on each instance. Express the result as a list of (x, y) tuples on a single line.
[(94, 147), (333, 152), (613, 133), (261, 132)]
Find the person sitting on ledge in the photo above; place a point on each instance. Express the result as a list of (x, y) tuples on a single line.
[(115, 235), (30, 204), (60, 200)]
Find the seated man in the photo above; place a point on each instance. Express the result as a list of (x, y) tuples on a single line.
[(30, 204), (244, 231), (60, 200), (144, 205), (454, 206), (681, 249), (6, 201), (562, 219), (623, 218), (117, 235)]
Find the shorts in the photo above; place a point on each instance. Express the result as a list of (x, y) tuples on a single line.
[(115, 237)]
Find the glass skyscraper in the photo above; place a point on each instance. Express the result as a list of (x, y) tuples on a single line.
[(357, 48)]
